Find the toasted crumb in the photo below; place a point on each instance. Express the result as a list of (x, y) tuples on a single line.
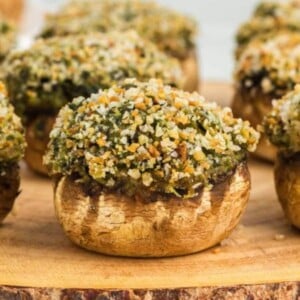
[(279, 237), (172, 32), (282, 124), (228, 243), (269, 18), (56, 70), (217, 250), (277, 59), (240, 227), (156, 152)]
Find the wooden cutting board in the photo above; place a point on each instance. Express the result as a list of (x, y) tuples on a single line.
[(260, 260)]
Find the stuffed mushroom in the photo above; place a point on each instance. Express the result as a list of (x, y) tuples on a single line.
[(266, 71), (147, 170), (282, 126)]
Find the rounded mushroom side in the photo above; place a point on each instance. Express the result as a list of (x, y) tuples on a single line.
[(114, 224), (287, 182)]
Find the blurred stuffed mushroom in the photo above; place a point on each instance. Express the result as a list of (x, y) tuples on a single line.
[(12, 144), (7, 37), (270, 18), (266, 71), (172, 32), (52, 72), (282, 126)]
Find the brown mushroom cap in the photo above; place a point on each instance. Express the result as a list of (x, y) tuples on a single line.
[(9, 189), (118, 225), (254, 107), (190, 67), (287, 179), (37, 137)]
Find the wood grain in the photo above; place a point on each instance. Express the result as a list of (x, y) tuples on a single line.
[(264, 250)]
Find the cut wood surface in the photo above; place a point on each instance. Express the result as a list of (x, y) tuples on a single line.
[(263, 250)]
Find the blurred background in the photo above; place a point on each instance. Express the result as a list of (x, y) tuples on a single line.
[(218, 22)]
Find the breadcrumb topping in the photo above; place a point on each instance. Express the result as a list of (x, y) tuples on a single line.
[(273, 66), (12, 142), (54, 71), (7, 37), (269, 18), (148, 136), (282, 125), (169, 30)]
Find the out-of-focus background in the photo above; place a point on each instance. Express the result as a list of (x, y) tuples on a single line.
[(218, 21)]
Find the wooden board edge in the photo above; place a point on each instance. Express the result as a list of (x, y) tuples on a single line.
[(260, 278), (286, 290)]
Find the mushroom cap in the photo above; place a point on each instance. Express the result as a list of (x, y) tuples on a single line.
[(254, 107), (287, 179), (115, 224), (9, 189)]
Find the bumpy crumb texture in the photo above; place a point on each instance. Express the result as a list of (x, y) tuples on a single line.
[(272, 66), (171, 31), (148, 136), (269, 18), (54, 71), (12, 141), (7, 37), (282, 125)]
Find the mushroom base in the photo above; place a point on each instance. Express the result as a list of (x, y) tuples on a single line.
[(9, 189), (115, 224), (37, 142), (253, 106), (287, 179), (34, 160), (190, 68)]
